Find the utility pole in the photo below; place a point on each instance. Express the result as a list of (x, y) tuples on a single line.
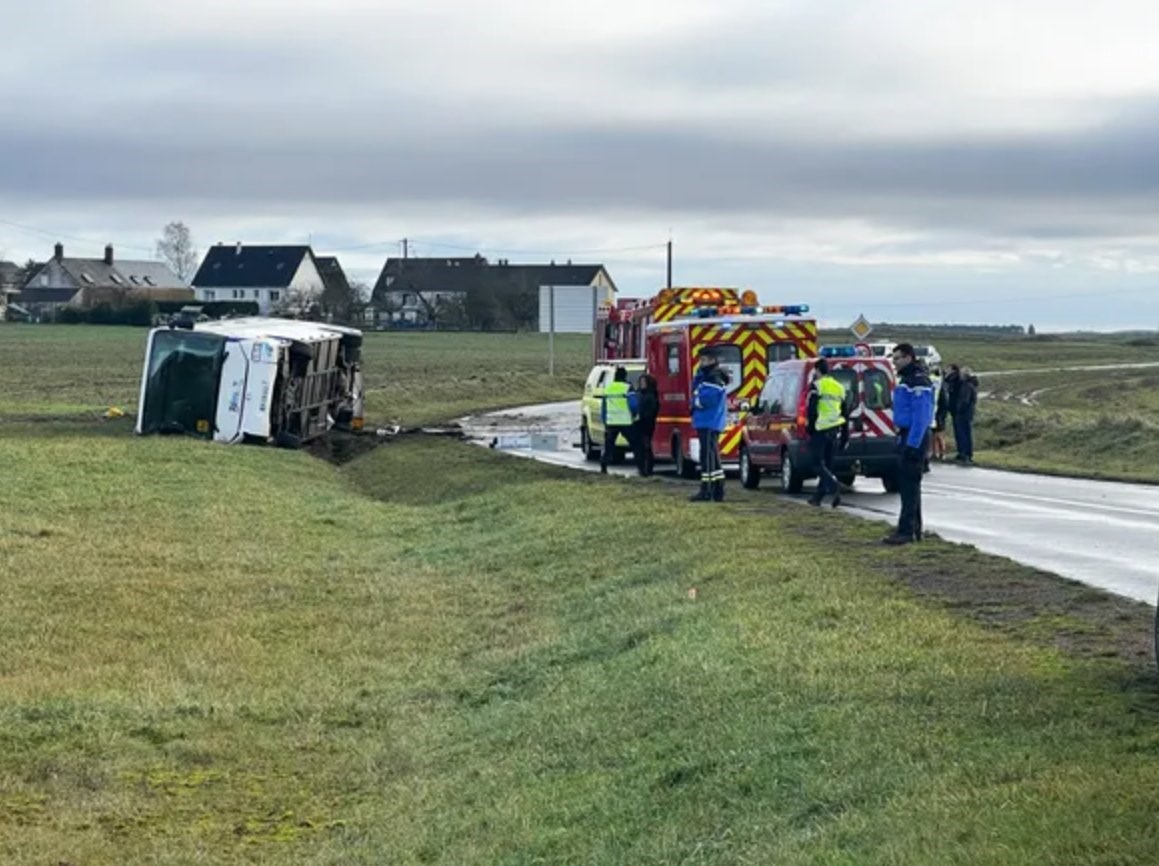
[(405, 245), (551, 330), (669, 261)]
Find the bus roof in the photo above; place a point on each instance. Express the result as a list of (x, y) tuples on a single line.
[(256, 327)]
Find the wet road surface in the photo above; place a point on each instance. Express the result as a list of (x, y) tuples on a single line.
[(1101, 533)]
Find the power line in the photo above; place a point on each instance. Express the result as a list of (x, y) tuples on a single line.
[(67, 237), (514, 252)]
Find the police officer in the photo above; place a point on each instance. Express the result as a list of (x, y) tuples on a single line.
[(709, 411), (616, 414), (826, 399), (913, 412)]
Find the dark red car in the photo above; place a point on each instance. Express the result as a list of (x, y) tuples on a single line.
[(776, 437)]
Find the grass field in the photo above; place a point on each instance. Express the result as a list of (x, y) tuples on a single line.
[(435, 654)]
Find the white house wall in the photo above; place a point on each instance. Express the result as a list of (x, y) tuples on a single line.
[(307, 280)]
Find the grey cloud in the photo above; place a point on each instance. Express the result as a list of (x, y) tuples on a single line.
[(1043, 186)]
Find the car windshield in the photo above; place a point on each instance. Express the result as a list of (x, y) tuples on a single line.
[(181, 388)]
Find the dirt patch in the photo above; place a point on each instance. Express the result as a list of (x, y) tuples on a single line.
[(339, 448), (1033, 604)]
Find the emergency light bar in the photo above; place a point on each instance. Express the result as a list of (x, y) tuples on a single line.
[(790, 310), (737, 310), (838, 351)]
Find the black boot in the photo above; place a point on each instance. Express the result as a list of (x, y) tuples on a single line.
[(704, 495), (718, 491)]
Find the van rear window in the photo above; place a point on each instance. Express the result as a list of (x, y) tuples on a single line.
[(878, 393)]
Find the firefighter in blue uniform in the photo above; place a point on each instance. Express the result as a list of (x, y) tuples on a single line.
[(709, 414), (913, 415)]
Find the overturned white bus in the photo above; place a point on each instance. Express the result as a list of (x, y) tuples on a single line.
[(253, 379)]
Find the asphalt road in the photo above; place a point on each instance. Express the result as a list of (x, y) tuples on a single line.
[(1100, 533)]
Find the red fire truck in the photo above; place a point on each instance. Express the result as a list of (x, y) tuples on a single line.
[(670, 331)]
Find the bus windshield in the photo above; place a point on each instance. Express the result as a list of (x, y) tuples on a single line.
[(181, 387)]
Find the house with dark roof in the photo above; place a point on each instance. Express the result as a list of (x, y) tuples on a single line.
[(69, 281), (275, 277), (415, 290), (339, 300), (9, 277)]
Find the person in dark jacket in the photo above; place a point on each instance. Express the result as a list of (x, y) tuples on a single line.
[(647, 411), (913, 414), (709, 413), (966, 400), (941, 415)]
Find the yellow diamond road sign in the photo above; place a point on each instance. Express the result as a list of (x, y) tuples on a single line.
[(861, 328)]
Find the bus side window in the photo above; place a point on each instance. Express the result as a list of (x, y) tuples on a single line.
[(673, 358)]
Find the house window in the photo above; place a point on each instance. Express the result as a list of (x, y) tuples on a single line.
[(44, 279), (210, 295), (257, 294), (238, 294), (275, 296)]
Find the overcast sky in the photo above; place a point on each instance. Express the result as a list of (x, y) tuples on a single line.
[(981, 161)]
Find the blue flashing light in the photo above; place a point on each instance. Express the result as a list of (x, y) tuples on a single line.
[(838, 351), (750, 311), (705, 312)]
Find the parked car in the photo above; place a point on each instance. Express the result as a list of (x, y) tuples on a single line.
[(776, 437), (591, 427)]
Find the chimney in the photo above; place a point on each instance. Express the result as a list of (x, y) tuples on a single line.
[(59, 252), (109, 254)]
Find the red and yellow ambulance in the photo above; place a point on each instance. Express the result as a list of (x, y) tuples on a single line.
[(671, 330)]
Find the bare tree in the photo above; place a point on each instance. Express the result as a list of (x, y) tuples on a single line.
[(175, 246)]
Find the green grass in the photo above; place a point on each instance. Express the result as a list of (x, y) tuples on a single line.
[(437, 654), (411, 378), (1101, 424)]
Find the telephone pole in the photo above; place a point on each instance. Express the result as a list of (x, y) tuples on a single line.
[(405, 245), (669, 261)]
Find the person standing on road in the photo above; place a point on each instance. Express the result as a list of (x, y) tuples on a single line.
[(941, 413), (709, 410), (648, 412), (951, 385), (913, 411), (967, 402), (616, 414), (826, 399)]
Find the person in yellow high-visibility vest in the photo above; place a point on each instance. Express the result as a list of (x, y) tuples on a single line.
[(826, 423), (616, 410)]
